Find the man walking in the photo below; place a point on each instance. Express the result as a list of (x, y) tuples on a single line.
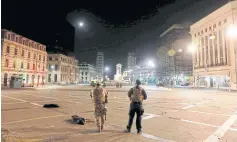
[(136, 95), (99, 97)]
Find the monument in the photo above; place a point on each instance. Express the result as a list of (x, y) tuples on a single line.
[(118, 76)]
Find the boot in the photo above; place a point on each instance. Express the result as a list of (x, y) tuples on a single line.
[(139, 132), (128, 130), (99, 129), (102, 127)]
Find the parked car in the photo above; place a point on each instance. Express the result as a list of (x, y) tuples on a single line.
[(160, 85), (185, 84)]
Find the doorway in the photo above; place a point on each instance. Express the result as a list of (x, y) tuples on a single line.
[(5, 79)]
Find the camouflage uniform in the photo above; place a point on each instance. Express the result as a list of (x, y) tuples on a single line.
[(99, 97)]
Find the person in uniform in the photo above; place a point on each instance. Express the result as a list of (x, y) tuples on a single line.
[(136, 95), (99, 97)]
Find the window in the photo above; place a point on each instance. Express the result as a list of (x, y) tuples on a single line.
[(22, 65), (219, 23), (56, 67), (28, 65), (194, 36), (23, 42), (209, 28), (14, 64), (225, 21), (214, 26), (56, 59), (8, 37), (85, 73), (15, 51), (22, 53), (39, 57), (28, 54), (81, 73), (33, 66), (49, 78), (6, 63), (43, 68), (8, 49), (206, 30), (27, 78), (16, 39), (50, 58), (43, 58), (34, 56)]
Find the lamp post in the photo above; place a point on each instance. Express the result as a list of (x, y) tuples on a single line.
[(232, 34), (192, 49)]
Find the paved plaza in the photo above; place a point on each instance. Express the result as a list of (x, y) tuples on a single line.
[(175, 115)]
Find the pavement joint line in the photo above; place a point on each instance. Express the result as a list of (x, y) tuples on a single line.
[(33, 119), (35, 104), (199, 123), (156, 138), (51, 98), (233, 129), (217, 135), (209, 113), (196, 104), (13, 103), (147, 135)]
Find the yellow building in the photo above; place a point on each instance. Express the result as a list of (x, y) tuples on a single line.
[(215, 40), (24, 58), (62, 69)]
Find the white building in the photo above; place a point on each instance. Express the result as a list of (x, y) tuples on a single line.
[(214, 61), (62, 69), (131, 61), (87, 72), (100, 65), (118, 76)]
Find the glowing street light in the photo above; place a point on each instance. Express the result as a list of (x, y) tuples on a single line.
[(81, 24), (106, 68), (232, 31), (192, 48), (151, 64)]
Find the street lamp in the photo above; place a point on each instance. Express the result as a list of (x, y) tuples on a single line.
[(81, 24), (151, 64), (192, 48), (106, 68), (232, 31)]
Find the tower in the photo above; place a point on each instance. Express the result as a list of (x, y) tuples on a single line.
[(100, 65)]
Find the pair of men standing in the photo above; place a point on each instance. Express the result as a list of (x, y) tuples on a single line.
[(136, 95)]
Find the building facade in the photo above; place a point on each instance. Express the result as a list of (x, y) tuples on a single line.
[(174, 62), (100, 65), (214, 62), (87, 73), (23, 58), (62, 69), (131, 62)]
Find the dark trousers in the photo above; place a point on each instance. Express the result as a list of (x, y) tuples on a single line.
[(138, 109)]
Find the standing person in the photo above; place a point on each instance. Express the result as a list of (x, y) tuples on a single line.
[(99, 97), (136, 95)]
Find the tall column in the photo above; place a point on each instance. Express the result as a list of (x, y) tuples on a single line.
[(205, 51), (200, 52), (213, 51), (209, 50), (223, 44), (218, 46)]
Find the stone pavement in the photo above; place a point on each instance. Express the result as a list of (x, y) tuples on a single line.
[(170, 115)]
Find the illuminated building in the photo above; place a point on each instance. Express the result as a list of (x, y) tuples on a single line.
[(214, 61), (23, 58)]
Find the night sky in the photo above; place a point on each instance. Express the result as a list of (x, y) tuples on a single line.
[(137, 23)]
